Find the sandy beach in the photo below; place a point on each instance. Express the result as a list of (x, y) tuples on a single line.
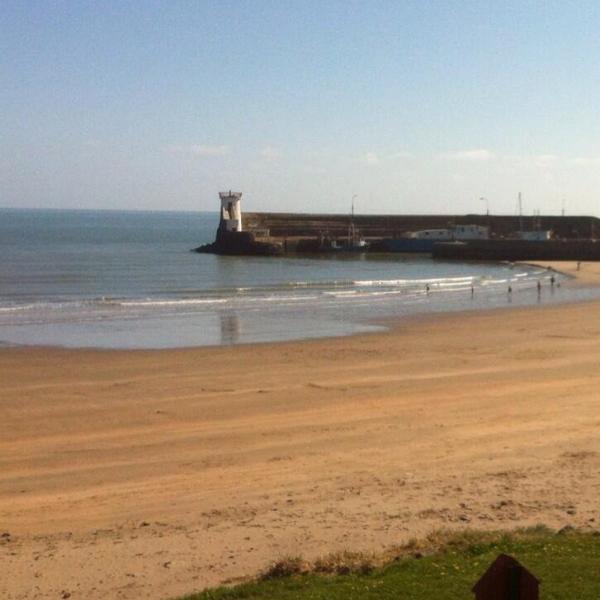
[(583, 273), (151, 474)]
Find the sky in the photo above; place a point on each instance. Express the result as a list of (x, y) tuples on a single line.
[(410, 107)]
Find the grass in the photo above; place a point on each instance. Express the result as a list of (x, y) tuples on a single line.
[(442, 567)]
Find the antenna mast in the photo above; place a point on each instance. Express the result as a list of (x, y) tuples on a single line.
[(520, 212), (352, 229)]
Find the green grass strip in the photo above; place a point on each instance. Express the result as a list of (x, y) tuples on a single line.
[(443, 567)]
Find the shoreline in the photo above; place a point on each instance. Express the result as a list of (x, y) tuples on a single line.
[(588, 273), (586, 278), (154, 473)]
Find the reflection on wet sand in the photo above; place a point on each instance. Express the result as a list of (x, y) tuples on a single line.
[(230, 328)]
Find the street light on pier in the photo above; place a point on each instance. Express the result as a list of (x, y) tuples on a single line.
[(487, 205)]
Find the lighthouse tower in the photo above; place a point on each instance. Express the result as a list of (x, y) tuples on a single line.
[(231, 211)]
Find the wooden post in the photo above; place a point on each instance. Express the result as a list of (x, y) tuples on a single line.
[(507, 579), (514, 582)]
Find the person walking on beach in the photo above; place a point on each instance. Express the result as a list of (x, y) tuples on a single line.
[(552, 280), (539, 287)]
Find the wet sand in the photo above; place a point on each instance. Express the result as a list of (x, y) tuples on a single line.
[(584, 273), (150, 474)]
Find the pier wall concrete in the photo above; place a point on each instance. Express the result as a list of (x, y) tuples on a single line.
[(518, 250), (284, 225)]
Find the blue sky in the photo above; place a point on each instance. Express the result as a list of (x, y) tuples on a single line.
[(412, 106)]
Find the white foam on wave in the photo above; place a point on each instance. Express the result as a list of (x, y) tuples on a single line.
[(453, 284), (411, 282), (9, 309), (357, 294), (186, 302), (280, 298), (300, 296), (492, 282), (341, 293)]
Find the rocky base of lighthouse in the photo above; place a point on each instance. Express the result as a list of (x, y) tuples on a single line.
[(242, 243)]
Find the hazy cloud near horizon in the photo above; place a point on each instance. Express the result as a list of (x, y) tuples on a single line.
[(411, 108)]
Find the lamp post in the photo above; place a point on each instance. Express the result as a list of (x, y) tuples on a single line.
[(487, 205)]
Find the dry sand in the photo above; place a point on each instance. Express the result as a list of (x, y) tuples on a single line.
[(585, 273), (151, 474)]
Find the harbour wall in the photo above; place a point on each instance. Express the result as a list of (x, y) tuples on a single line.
[(518, 250), (283, 225)]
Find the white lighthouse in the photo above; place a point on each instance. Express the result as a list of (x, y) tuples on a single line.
[(231, 211)]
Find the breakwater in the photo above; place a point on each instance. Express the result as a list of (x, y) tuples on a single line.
[(282, 225), (518, 250), (298, 233)]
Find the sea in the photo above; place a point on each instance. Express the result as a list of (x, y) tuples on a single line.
[(128, 279)]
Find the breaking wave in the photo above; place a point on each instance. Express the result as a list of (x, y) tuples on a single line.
[(336, 294)]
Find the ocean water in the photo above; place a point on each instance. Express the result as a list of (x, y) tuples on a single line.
[(113, 279)]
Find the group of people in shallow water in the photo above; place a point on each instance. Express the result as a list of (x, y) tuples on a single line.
[(552, 282), (539, 287)]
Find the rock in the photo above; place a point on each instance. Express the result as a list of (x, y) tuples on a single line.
[(240, 243)]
